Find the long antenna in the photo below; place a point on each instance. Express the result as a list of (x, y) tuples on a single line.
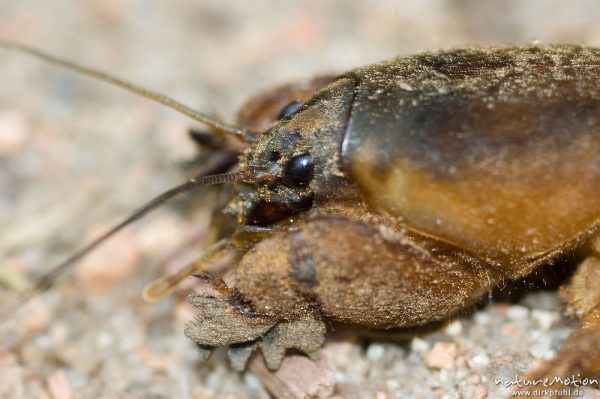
[(239, 133), (47, 280)]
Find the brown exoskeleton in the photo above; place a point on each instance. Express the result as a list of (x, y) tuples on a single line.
[(395, 194)]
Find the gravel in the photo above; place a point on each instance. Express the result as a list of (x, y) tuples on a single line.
[(77, 155)]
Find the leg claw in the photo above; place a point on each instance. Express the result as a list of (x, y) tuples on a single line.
[(225, 321)]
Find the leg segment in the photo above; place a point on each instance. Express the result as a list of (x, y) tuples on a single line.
[(352, 272), (337, 270)]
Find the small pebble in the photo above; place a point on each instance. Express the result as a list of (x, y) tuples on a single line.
[(465, 389), (474, 379), (340, 377), (157, 362), (252, 381), (38, 316), (479, 392), (441, 393), (544, 318), (58, 385), (419, 345), (104, 340), (13, 133), (444, 376), (375, 352), (511, 330), (517, 312), (454, 328), (441, 356), (117, 260), (392, 385), (482, 318), (300, 375), (59, 333), (479, 362), (201, 392), (461, 371), (540, 349)]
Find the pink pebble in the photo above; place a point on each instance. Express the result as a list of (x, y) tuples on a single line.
[(37, 315), (13, 133), (441, 356), (115, 261)]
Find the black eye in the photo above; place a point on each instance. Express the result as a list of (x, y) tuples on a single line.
[(299, 171), (289, 109)]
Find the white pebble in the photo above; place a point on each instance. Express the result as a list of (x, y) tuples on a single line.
[(444, 376), (517, 312), (454, 328), (479, 362), (540, 348), (104, 340), (418, 345), (375, 352), (14, 131), (252, 381), (544, 318), (482, 318), (340, 377)]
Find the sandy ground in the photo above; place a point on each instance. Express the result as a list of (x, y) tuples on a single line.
[(77, 155)]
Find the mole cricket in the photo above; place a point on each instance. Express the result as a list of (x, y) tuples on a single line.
[(394, 195)]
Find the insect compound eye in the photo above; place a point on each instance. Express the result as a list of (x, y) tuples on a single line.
[(289, 109), (299, 171)]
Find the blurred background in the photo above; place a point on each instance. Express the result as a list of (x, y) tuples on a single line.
[(76, 154)]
